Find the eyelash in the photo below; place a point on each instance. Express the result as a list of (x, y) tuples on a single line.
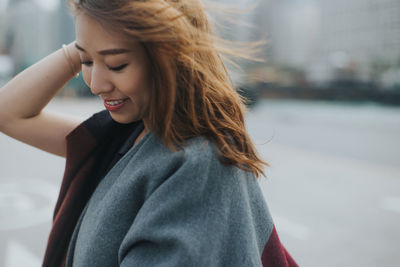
[(119, 68)]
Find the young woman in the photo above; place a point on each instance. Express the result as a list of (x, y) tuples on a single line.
[(166, 175)]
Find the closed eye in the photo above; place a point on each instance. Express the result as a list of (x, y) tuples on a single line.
[(118, 68), (87, 63)]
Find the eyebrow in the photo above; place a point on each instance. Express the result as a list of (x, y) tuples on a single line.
[(114, 51)]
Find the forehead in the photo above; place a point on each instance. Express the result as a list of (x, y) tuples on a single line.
[(91, 35)]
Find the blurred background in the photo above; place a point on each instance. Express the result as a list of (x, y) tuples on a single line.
[(324, 111)]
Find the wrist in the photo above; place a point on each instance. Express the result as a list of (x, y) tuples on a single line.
[(72, 56)]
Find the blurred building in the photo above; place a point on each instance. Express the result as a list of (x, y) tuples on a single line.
[(28, 32), (356, 40), (359, 38), (291, 29)]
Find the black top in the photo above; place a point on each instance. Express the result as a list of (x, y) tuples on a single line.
[(113, 144)]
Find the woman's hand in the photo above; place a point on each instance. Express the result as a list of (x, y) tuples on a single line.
[(72, 56)]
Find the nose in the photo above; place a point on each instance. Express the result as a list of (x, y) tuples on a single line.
[(99, 81)]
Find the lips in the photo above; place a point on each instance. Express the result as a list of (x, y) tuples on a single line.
[(114, 104)]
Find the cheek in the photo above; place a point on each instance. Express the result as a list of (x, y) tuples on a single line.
[(130, 83)]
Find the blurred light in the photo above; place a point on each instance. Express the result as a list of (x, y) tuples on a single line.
[(48, 5), (6, 66)]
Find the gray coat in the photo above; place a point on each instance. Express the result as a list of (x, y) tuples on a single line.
[(162, 208)]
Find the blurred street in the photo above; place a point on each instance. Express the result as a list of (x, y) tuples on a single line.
[(333, 187)]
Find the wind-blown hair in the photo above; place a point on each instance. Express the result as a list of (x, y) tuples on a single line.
[(192, 93)]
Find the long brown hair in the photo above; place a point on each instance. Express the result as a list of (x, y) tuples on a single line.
[(192, 88)]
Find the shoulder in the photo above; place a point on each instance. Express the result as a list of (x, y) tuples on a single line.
[(196, 162), (202, 154), (197, 152), (194, 170)]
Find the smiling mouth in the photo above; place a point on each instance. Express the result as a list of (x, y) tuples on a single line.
[(114, 102), (113, 105)]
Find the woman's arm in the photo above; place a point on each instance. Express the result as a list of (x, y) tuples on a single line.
[(23, 98)]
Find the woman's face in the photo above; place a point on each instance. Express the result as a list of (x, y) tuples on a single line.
[(115, 69)]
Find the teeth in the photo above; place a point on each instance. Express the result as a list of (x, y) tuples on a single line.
[(113, 103)]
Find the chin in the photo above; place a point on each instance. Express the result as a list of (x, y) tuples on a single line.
[(124, 119)]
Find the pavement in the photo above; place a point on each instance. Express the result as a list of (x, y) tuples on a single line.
[(333, 187)]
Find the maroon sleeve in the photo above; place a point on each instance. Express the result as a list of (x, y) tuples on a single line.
[(274, 253)]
